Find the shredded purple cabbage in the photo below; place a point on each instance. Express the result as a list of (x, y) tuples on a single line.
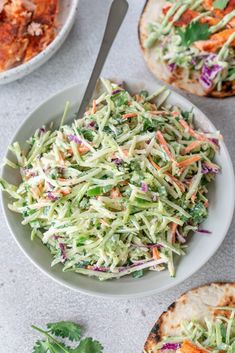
[(180, 237), (172, 346), (117, 161), (121, 84), (51, 196), (208, 74), (215, 141), (50, 185), (75, 139), (116, 91), (100, 269), (194, 61), (63, 253), (144, 187), (172, 67), (124, 268), (207, 169), (204, 231), (91, 124), (208, 57), (24, 171), (42, 130), (149, 246)]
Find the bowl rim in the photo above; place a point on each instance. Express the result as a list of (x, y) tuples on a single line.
[(144, 293), (24, 69)]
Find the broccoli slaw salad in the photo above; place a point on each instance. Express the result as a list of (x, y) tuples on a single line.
[(204, 336), (197, 37), (118, 191)]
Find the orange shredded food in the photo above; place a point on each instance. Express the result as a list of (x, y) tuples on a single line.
[(26, 29), (188, 347)]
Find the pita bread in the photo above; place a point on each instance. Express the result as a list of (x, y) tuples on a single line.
[(179, 78), (194, 304)]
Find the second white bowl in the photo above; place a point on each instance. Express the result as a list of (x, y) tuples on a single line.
[(66, 17)]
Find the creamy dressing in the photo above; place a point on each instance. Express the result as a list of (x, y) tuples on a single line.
[(174, 53)]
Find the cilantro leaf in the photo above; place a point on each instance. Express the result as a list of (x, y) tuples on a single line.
[(41, 347), (198, 212), (220, 4), (193, 32), (69, 330), (61, 348), (138, 274), (65, 329), (87, 345)]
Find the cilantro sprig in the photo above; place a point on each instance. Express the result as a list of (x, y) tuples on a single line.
[(68, 330), (193, 32), (220, 4)]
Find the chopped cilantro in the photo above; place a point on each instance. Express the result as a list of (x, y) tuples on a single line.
[(193, 32), (198, 212), (138, 274), (120, 99)]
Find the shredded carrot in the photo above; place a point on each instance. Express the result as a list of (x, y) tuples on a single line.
[(174, 179), (40, 187), (192, 132), (206, 204), (138, 98), (156, 254), (82, 149), (191, 147), (65, 191), (35, 193), (153, 163), (188, 347), (124, 182), (177, 182), (61, 157), (129, 115), (193, 197), (188, 161), (173, 230), (158, 112), (175, 114), (94, 108), (102, 221), (125, 152), (164, 145), (115, 193)]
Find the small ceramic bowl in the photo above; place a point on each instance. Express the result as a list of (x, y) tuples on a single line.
[(66, 17), (200, 247)]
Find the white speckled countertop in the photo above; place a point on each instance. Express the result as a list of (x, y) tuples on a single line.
[(26, 295)]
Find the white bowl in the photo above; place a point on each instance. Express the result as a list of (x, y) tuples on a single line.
[(66, 17), (201, 246)]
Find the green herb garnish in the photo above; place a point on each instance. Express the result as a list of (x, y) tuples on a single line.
[(69, 331), (138, 274), (193, 32)]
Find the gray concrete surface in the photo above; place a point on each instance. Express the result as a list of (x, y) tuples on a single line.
[(26, 295)]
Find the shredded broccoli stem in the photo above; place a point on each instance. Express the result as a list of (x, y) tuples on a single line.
[(103, 192), (210, 335)]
